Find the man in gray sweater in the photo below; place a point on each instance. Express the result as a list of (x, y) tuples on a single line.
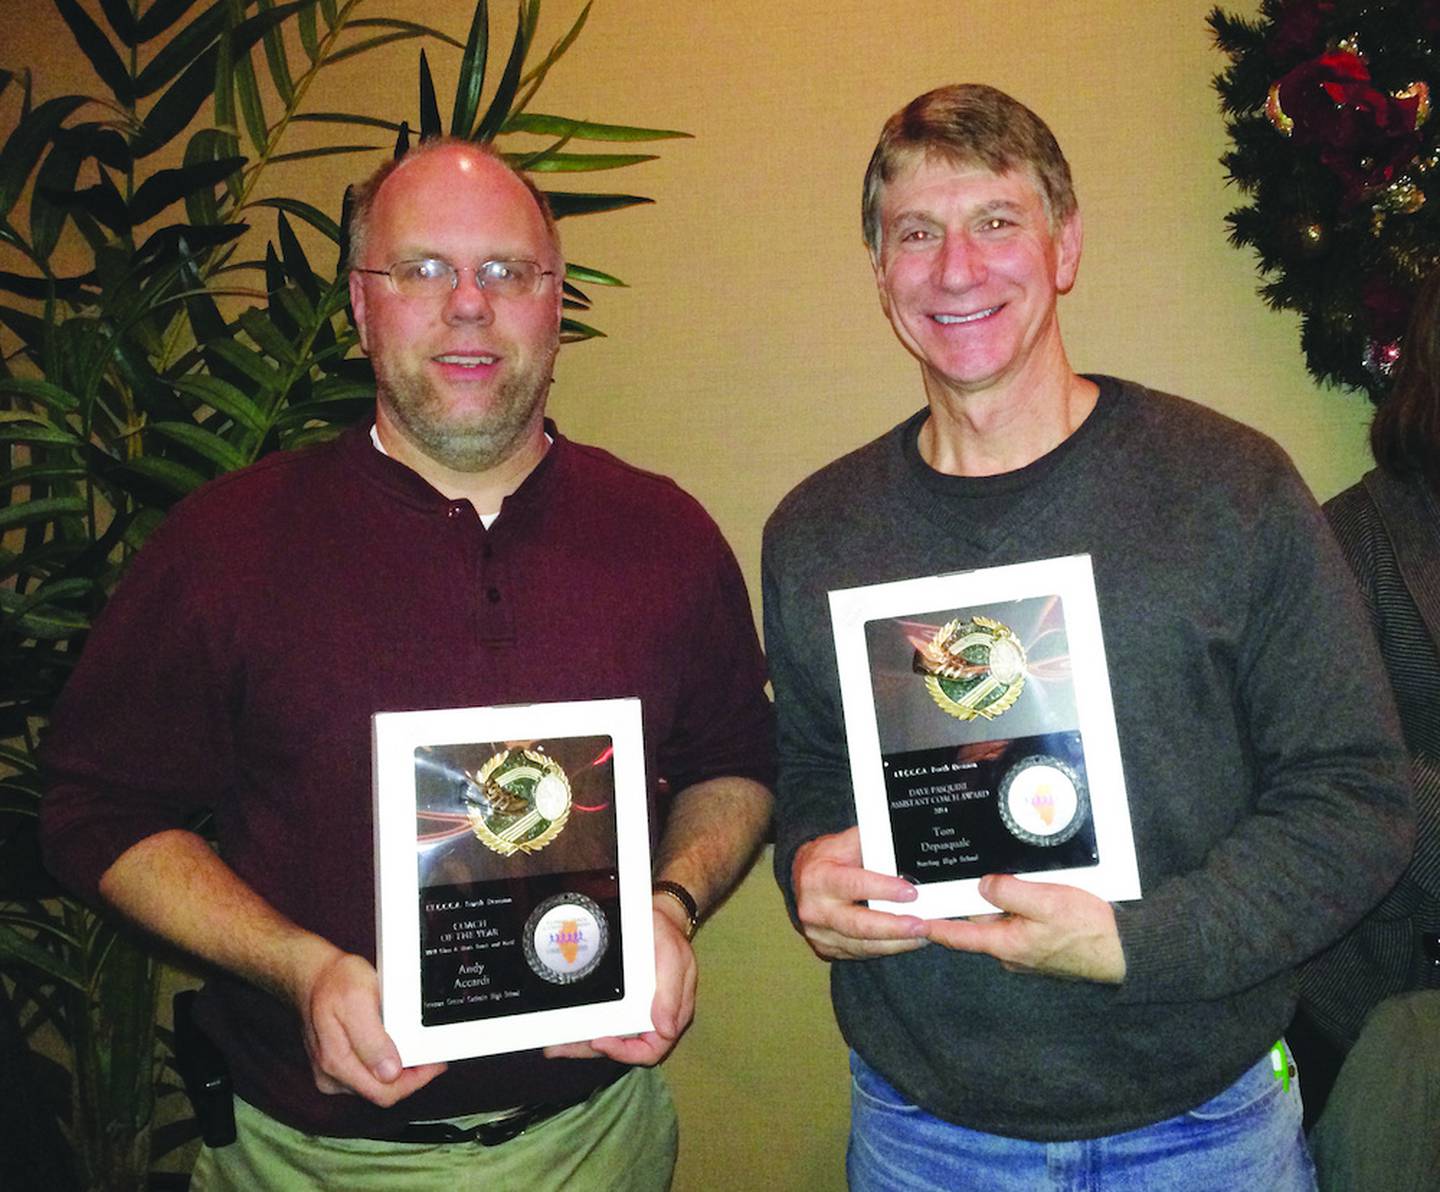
[(1069, 1036)]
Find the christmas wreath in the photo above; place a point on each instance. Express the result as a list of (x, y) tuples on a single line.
[(1327, 103)]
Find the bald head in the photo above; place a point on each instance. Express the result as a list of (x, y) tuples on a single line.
[(456, 160), (461, 369)]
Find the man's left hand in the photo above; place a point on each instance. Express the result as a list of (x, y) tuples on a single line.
[(672, 1009), (1044, 928)]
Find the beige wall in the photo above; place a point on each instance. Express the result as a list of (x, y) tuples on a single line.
[(750, 349)]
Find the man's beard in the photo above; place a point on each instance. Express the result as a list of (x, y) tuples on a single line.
[(474, 441)]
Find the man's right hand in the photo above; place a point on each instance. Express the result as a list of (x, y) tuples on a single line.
[(174, 885), (349, 1048), (829, 885)]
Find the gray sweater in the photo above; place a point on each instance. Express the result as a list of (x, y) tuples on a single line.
[(1259, 744)]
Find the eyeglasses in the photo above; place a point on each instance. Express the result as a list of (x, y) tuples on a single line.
[(436, 278)]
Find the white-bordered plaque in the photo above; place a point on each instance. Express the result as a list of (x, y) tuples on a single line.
[(982, 733), (512, 877)]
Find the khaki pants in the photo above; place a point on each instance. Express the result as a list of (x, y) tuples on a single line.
[(623, 1138)]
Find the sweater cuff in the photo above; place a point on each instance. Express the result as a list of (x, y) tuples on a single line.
[(1159, 957)]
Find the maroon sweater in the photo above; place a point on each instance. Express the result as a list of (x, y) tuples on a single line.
[(238, 665)]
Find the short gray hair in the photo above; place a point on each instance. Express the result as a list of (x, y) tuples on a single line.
[(968, 124)]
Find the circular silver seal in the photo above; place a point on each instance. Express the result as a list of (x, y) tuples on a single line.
[(1043, 800), (1007, 660), (552, 797), (565, 937)]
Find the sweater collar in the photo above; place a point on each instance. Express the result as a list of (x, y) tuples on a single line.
[(941, 484), (404, 484)]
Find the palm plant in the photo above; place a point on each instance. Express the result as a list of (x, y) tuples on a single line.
[(168, 355)]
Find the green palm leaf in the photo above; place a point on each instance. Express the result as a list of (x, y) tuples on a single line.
[(165, 187), (164, 474), (309, 34), (409, 27), (247, 362), (38, 615), (277, 60), (247, 94), (316, 218), (122, 21), (202, 442), (565, 203), (174, 110), (297, 266), (228, 399), (44, 510), (573, 331), (181, 51), (372, 43), (347, 118), (96, 46), (585, 130), (267, 337), (546, 162), (501, 101), (160, 17), (320, 151), (62, 401), (593, 276), (472, 72), (18, 949), (27, 142), (37, 433), (536, 77), (429, 108)]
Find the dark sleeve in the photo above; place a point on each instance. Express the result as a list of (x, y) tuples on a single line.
[(1378, 958), (1330, 826), (140, 740), (724, 725), (813, 794), (1356, 525)]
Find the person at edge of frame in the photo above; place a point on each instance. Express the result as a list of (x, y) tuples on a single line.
[(1370, 1005), (1067, 1039), (457, 551)]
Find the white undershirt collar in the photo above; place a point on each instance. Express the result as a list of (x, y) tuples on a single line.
[(486, 519)]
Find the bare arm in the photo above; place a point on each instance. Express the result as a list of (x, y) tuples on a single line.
[(175, 886), (712, 835)]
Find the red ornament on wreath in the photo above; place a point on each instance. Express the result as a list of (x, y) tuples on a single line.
[(1363, 136)]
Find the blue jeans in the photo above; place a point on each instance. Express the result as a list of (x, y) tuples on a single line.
[(1248, 1137)]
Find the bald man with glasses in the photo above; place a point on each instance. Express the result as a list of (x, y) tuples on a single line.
[(456, 551)]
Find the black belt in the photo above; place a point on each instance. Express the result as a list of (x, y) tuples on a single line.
[(491, 1133)]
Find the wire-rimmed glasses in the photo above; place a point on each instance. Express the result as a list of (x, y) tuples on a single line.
[(434, 277)]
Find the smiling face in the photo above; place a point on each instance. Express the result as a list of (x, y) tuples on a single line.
[(462, 379), (968, 271)]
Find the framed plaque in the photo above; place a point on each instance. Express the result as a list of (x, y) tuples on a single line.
[(982, 733), (512, 877)]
